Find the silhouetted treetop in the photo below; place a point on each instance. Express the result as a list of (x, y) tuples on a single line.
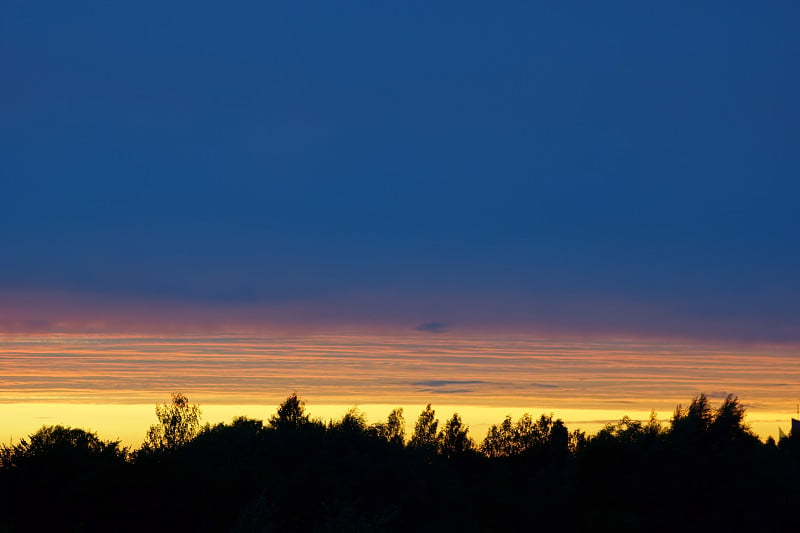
[(453, 439), (695, 419), (291, 414), (353, 421), (347, 476), (59, 443), (178, 423), (500, 440), (509, 439), (728, 424), (425, 430), (630, 433), (393, 430), (718, 427)]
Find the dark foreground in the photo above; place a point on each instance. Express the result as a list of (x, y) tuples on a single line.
[(704, 472)]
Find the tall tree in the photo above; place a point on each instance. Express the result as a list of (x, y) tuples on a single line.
[(692, 422), (178, 423), (394, 429), (425, 429), (500, 440), (291, 414), (728, 424), (454, 439)]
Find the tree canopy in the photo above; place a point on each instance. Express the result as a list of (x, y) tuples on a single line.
[(178, 423), (298, 474), (425, 430), (291, 414)]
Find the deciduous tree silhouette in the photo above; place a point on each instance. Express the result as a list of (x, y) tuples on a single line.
[(454, 439), (530, 434), (61, 479), (291, 414), (728, 424), (178, 423), (59, 443), (353, 421), (500, 440), (509, 439), (247, 476), (425, 430), (694, 420), (394, 429)]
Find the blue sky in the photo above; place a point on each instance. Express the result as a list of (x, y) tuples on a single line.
[(587, 168)]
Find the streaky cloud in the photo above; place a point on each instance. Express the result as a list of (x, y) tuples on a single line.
[(433, 327)]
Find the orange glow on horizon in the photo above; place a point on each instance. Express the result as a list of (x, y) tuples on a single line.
[(535, 375)]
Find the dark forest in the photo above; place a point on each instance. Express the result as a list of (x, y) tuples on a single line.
[(704, 470)]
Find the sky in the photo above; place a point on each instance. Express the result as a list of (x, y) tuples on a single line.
[(110, 383), (583, 208), (581, 169)]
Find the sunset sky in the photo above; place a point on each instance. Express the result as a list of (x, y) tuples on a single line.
[(380, 203)]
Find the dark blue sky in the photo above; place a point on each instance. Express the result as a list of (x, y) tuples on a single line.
[(584, 167)]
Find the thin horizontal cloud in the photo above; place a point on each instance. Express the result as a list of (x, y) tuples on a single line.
[(517, 372), (42, 311), (446, 391), (446, 383), (432, 327)]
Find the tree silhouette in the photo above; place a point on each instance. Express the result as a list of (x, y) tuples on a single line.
[(511, 439), (694, 420), (558, 439), (425, 430), (453, 439), (246, 476), (500, 440), (291, 414), (51, 443), (353, 421), (629, 433), (530, 434), (393, 430), (61, 479), (178, 423), (728, 424)]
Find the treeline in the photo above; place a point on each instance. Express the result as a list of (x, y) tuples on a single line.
[(705, 470)]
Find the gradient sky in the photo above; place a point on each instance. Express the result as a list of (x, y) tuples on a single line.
[(110, 383), (578, 168)]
